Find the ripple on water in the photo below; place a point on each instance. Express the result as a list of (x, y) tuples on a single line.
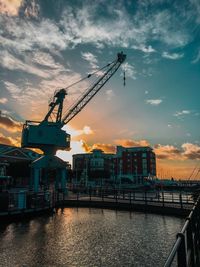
[(88, 238)]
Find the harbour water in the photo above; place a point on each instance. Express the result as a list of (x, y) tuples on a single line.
[(89, 237)]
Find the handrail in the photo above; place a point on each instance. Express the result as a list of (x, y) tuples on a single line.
[(187, 244)]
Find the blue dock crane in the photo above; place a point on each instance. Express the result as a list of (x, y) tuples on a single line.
[(48, 135)]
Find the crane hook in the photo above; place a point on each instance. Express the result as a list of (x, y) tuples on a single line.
[(124, 78)]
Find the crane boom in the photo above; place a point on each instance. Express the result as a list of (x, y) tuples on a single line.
[(92, 91)]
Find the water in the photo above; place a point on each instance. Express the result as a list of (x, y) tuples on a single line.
[(89, 237)]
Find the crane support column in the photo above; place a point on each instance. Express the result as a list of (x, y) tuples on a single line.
[(64, 180), (36, 179)]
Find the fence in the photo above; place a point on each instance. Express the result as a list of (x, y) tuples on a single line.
[(186, 250), (25, 200), (156, 197)]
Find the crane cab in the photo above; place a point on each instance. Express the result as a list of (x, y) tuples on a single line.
[(45, 134)]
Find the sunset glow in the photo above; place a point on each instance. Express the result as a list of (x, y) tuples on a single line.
[(50, 45)]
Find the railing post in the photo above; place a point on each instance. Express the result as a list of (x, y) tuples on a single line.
[(182, 253), (172, 197), (181, 200), (90, 192), (163, 199), (195, 233), (145, 197), (190, 241)]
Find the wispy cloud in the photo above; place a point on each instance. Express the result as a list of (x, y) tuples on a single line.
[(131, 143), (154, 102), (74, 132), (129, 70), (191, 151), (3, 100), (197, 58), (181, 114), (196, 9), (9, 124), (120, 29), (10, 7), (91, 58), (167, 151), (173, 56), (8, 140), (109, 94), (186, 151), (146, 49)]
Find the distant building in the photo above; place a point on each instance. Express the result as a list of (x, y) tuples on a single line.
[(93, 166), (133, 164), (16, 154), (15, 161)]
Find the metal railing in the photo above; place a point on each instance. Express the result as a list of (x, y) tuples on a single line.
[(25, 200), (178, 199), (186, 250)]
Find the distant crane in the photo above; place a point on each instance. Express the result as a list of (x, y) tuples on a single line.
[(48, 135)]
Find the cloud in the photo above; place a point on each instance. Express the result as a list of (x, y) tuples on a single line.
[(196, 9), (197, 58), (154, 102), (107, 148), (76, 148), (30, 9), (172, 56), (9, 124), (11, 62), (191, 151), (166, 151), (129, 69), (7, 140), (187, 151), (119, 28), (109, 93), (46, 60), (182, 113), (130, 143), (91, 58), (10, 7), (3, 100), (21, 35), (74, 133), (146, 49)]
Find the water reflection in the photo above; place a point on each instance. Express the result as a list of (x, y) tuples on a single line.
[(89, 237)]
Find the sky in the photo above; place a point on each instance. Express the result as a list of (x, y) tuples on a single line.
[(46, 45)]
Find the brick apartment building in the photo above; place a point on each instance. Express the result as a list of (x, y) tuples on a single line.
[(133, 163)]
